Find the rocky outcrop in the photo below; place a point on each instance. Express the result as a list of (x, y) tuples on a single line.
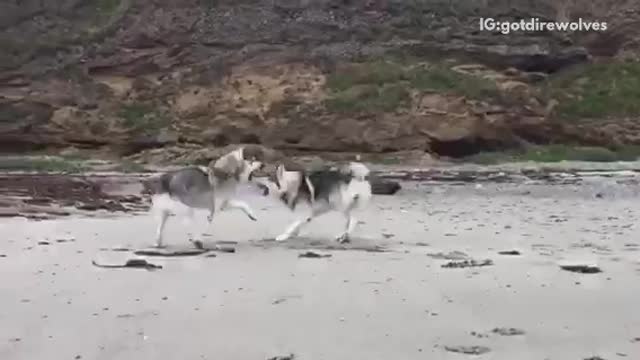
[(131, 74)]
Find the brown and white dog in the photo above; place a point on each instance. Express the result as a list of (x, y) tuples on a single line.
[(211, 187), (345, 188)]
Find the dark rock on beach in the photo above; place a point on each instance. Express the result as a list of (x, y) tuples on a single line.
[(467, 264), (313, 255), (468, 350), (583, 269), (384, 187)]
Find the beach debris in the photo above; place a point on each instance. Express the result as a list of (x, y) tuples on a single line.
[(222, 246), (479, 335), (116, 249), (583, 269), (453, 255), (468, 350), (364, 247), (131, 263), (509, 252), (313, 255), (170, 252), (44, 242), (467, 263), (508, 331), (384, 187), (282, 299), (283, 357), (65, 238)]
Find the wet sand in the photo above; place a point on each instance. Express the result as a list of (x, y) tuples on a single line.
[(264, 300)]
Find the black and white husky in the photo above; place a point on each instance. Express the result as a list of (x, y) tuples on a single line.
[(202, 187), (344, 189)]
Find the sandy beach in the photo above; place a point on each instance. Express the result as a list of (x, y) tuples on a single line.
[(398, 302)]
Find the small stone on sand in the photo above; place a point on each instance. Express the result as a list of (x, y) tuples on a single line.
[(468, 350), (313, 255), (583, 269), (508, 331), (467, 263)]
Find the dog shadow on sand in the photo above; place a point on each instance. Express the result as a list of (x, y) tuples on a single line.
[(209, 246), (314, 243)]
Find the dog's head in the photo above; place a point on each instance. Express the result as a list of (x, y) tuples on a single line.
[(283, 184), (238, 165), (357, 170)]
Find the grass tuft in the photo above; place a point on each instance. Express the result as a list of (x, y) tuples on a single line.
[(140, 116), (45, 165), (386, 85), (557, 153), (597, 91)]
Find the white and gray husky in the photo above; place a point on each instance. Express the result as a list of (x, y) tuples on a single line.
[(344, 189), (202, 187)]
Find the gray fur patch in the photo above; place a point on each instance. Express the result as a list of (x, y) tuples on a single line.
[(324, 182), (184, 182)]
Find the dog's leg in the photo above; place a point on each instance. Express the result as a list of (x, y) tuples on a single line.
[(189, 220), (164, 215), (351, 221), (345, 237), (212, 208), (297, 225), (237, 204)]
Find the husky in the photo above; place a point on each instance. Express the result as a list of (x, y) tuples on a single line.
[(344, 189), (200, 187)]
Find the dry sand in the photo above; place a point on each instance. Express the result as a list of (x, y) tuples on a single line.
[(264, 300)]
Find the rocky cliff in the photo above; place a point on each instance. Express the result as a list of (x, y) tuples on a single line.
[(313, 75)]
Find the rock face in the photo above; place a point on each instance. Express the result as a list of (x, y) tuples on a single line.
[(136, 74)]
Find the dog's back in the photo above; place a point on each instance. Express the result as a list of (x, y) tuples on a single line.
[(188, 186), (346, 186)]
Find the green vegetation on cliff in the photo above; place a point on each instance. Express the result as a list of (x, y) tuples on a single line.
[(386, 85), (598, 91), (142, 117), (556, 153)]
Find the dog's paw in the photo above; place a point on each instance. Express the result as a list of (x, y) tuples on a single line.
[(209, 218), (283, 237), (343, 239), (252, 217)]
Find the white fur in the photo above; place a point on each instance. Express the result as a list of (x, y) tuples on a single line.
[(221, 193), (345, 199)]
